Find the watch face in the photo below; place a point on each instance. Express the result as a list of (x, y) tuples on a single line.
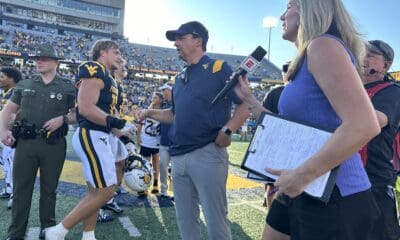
[(227, 131)]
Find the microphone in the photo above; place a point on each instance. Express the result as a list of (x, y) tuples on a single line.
[(372, 71), (248, 65)]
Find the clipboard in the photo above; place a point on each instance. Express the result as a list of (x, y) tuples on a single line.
[(282, 143), (258, 178)]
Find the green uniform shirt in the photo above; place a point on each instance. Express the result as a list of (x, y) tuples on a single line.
[(39, 102)]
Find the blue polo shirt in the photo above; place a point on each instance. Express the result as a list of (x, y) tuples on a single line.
[(197, 121)]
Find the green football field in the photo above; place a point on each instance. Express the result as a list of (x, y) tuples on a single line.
[(151, 217)]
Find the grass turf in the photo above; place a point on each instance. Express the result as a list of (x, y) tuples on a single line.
[(246, 215)]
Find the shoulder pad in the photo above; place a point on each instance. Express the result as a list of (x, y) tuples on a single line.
[(91, 70), (217, 66)]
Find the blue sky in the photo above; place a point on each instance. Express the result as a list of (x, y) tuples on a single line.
[(235, 26)]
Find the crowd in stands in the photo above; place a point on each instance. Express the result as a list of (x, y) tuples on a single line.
[(75, 48), (138, 90)]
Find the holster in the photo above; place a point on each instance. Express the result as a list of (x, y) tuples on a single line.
[(26, 130), (52, 137), (16, 131)]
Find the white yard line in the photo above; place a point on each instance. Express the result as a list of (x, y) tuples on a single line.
[(128, 225), (33, 233)]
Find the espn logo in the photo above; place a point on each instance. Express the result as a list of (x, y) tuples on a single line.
[(249, 64)]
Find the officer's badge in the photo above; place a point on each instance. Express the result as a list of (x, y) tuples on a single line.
[(52, 95), (59, 96), (205, 66), (91, 69)]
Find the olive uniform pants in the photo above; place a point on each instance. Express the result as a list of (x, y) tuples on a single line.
[(31, 155)]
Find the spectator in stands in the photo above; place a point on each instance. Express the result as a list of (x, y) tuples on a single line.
[(40, 141), (200, 133), (149, 140), (165, 157), (319, 94), (9, 77), (379, 151)]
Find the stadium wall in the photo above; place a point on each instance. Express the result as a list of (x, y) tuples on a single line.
[(116, 22)]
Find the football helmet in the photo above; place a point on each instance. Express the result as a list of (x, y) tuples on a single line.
[(138, 173)]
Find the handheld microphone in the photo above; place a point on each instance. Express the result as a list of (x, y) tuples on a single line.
[(372, 71), (248, 65)]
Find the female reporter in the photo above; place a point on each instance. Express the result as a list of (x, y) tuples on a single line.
[(324, 89)]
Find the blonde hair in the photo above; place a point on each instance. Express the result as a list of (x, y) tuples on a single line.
[(102, 45), (316, 18)]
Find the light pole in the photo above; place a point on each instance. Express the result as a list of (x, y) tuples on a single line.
[(269, 23)]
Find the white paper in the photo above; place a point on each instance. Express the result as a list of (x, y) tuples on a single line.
[(283, 144)]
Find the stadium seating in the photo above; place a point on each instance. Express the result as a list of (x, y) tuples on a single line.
[(75, 47)]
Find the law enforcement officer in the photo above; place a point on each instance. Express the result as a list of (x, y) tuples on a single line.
[(9, 77), (43, 104), (199, 134)]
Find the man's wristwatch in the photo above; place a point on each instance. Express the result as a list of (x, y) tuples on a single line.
[(226, 130)]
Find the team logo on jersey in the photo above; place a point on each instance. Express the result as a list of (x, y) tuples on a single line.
[(103, 139), (91, 69)]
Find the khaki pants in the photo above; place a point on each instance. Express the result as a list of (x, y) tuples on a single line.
[(199, 177)]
